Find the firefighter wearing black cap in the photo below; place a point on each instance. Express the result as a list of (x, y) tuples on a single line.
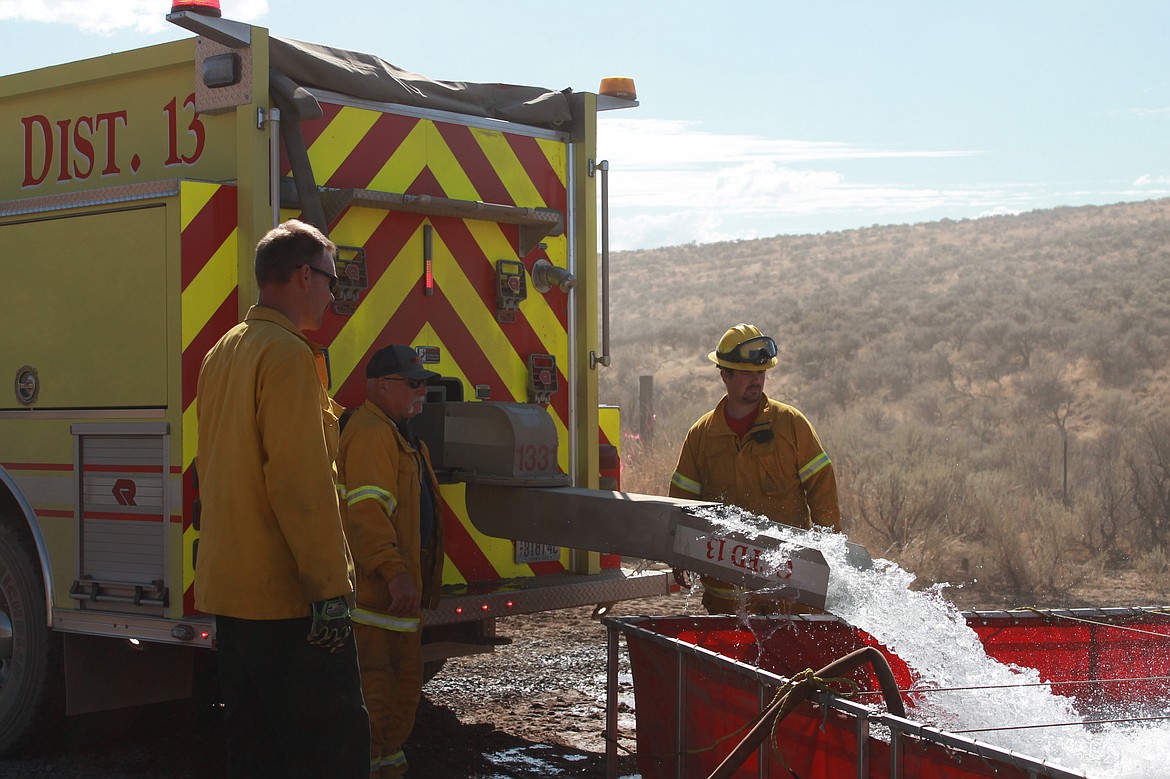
[(393, 522), (755, 453)]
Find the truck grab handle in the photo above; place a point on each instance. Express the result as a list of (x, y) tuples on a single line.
[(596, 359)]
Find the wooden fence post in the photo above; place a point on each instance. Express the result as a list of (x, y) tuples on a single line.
[(646, 409)]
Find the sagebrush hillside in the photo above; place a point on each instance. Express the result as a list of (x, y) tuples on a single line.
[(948, 367)]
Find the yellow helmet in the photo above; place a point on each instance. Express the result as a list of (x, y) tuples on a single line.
[(745, 348)]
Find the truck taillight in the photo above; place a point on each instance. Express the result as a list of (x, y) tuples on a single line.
[(205, 7), (428, 262)]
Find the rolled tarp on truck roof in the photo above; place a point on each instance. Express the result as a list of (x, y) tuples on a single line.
[(368, 77)]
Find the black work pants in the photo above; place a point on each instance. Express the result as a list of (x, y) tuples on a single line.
[(290, 709)]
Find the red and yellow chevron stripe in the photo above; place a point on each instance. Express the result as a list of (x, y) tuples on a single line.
[(210, 307), (365, 149)]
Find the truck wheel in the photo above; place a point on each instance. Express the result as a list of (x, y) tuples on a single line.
[(30, 656)]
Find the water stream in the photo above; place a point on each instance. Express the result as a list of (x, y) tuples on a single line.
[(931, 635)]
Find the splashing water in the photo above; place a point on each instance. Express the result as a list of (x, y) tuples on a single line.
[(932, 637)]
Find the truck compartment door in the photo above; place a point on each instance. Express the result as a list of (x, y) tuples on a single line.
[(123, 514), (80, 309)]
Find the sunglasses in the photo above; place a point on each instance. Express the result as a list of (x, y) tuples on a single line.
[(412, 383), (326, 274), (753, 351)]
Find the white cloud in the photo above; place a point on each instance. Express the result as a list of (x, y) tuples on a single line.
[(104, 18), (672, 143), (678, 227), (765, 180), (1001, 211), (673, 164), (1150, 180), (673, 183)]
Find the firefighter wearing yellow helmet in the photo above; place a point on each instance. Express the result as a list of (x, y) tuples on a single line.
[(753, 452)]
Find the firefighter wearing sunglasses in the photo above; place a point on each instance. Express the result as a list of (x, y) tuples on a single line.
[(393, 519), (755, 453)]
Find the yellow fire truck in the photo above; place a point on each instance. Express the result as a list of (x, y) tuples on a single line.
[(133, 189)]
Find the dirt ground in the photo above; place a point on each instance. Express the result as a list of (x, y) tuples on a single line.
[(534, 709)]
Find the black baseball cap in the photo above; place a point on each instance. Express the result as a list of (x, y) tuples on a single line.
[(397, 359)]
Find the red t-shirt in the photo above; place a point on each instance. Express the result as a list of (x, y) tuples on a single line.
[(740, 426)]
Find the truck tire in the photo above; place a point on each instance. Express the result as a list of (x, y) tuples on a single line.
[(30, 656)]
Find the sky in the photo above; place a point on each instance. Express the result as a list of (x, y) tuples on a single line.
[(769, 117)]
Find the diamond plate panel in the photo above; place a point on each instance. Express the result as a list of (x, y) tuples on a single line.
[(220, 99)]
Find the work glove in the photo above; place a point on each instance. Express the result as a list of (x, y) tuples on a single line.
[(331, 627)]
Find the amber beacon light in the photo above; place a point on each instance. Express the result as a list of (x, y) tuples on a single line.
[(205, 7), (618, 87)]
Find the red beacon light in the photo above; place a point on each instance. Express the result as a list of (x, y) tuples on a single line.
[(205, 7), (484, 607)]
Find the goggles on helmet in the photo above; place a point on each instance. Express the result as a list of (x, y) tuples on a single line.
[(753, 351)]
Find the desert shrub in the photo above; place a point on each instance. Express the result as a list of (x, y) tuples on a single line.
[(1051, 540), (1114, 356), (840, 389), (648, 465), (901, 493), (1011, 562), (1148, 463), (1030, 538), (1154, 562)]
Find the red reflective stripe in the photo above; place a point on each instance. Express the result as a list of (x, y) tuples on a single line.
[(38, 466), (372, 152), (464, 553), (207, 232), (225, 318), (104, 468), (461, 141), (310, 132), (540, 171), (127, 517), (546, 567)]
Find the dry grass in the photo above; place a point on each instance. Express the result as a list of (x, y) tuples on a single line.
[(943, 365)]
